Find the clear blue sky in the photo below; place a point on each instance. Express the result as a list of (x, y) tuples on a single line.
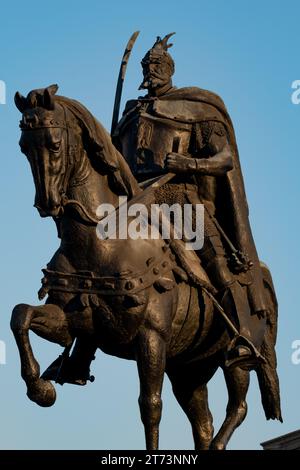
[(248, 52)]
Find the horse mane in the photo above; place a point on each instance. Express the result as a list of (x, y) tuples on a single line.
[(100, 148)]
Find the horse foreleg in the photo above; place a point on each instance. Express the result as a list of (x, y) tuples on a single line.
[(151, 359), (49, 322), (237, 381)]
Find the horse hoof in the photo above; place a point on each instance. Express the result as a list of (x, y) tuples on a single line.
[(217, 445), (42, 392)]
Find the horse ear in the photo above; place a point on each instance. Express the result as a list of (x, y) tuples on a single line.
[(52, 89), (20, 102), (49, 96)]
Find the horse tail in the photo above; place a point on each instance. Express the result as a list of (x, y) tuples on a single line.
[(266, 373)]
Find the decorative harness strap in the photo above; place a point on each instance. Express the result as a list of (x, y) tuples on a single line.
[(121, 284)]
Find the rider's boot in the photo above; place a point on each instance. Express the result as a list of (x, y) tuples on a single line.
[(74, 369), (243, 350)]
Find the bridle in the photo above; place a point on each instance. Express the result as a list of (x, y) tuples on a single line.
[(32, 123)]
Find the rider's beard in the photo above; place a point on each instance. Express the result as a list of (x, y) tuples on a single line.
[(152, 81)]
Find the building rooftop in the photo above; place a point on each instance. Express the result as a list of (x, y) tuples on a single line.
[(290, 441)]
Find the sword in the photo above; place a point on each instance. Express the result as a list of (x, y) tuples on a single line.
[(123, 66), (239, 260)]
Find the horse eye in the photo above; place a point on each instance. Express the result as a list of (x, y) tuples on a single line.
[(55, 146)]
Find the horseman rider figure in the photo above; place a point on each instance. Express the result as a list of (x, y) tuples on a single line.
[(187, 131)]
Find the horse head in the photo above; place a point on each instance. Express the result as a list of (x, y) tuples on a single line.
[(57, 135), (49, 134)]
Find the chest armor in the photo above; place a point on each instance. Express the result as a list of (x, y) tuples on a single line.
[(147, 138)]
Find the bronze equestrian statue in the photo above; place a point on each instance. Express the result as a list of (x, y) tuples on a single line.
[(146, 300)]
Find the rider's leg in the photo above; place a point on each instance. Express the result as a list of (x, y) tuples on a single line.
[(233, 298), (76, 368)]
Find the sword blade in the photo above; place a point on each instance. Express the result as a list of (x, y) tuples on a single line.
[(123, 66)]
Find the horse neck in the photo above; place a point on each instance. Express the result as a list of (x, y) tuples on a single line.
[(89, 187)]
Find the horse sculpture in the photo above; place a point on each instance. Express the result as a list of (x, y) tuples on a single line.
[(130, 298)]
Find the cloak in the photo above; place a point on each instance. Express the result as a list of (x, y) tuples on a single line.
[(195, 105)]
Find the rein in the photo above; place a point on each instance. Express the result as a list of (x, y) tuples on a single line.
[(73, 202), (71, 158)]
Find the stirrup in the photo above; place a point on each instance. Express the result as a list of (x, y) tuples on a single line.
[(60, 372), (242, 353)]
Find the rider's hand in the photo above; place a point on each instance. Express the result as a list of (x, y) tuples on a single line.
[(177, 163)]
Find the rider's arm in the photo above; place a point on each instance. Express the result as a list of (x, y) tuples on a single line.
[(219, 154), (213, 157)]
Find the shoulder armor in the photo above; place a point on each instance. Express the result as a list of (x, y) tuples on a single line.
[(186, 111)]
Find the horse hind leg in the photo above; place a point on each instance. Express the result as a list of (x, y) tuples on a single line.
[(150, 356), (237, 381), (190, 390), (49, 322)]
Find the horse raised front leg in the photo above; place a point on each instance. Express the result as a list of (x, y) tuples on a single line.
[(151, 359), (237, 381), (49, 322)]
